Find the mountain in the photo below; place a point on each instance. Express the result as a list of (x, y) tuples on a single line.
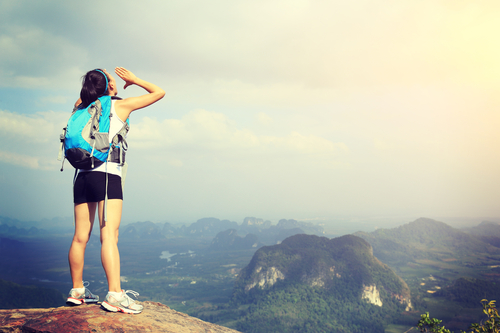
[(230, 241), (308, 227), (423, 238), (141, 230), (485, 228), (274, 234), (209, 226), (487, 231), (55, 225), (203, 228), (253, 224), (310, 283), (259, 232), (15, 232)]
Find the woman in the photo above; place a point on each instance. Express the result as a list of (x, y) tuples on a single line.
[(89, 193)]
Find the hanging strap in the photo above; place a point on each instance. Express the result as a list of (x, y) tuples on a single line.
[(62, 164), (106, 194), (62, 137), (118, 142), (74, 177)]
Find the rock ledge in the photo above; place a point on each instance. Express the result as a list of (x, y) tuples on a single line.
[(156, 317)]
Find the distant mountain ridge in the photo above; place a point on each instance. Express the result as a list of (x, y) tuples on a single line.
[(204, 227), (14, 228), (229, 240), (423, 238), (252, 230), (485, 228), (47, 224), (487, 231)]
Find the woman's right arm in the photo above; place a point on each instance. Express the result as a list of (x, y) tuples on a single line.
[(126, 106)]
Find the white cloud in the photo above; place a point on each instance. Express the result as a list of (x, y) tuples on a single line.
[(410, 87), (54, 99), (209, 132), (264, 119), (19, 160), (176, 163), (314, 43), (39, 127), (31, 140), (33, 57)]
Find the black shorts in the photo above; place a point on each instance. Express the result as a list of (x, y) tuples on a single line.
[(90, 187)]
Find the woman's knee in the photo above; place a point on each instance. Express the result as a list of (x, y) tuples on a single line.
[(109, 235), (81, 239)]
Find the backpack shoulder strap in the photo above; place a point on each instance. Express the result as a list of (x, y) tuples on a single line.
[(95, 109)]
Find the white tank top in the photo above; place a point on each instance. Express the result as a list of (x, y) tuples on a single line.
[(115, 125)]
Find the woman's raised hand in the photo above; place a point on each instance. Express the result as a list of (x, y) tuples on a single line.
[(126, 76), (125, 106)]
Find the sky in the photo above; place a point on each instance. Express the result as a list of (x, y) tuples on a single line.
[(275, 109)]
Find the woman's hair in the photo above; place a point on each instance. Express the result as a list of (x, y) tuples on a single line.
[(94, 85)]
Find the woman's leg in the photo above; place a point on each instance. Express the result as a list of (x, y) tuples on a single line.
[(110, 256), (84, 220)]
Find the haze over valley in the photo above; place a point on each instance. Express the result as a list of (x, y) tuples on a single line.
[(239, 274)]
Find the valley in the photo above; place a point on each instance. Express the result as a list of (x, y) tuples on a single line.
[(199, 273)]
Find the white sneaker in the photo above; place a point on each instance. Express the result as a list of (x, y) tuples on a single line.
[(116, 302), (78, 298)]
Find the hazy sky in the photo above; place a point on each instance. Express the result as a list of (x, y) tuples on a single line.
[(274, 109)]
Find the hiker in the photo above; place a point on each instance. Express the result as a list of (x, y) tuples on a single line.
[(91, 185)]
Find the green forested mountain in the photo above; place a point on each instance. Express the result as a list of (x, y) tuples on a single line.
[(448, 270), (487, 231), (315, 284), (485, 228), (229, 241), (423, 238)]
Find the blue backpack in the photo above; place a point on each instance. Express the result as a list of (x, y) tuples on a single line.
[(85, 140)]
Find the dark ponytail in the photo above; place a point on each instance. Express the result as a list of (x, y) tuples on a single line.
[(94, 85)]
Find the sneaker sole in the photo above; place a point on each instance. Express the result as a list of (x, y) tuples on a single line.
[(74, 301), (77, 301), (113, 308)]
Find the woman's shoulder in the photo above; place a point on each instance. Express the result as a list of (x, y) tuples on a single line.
[(120, 112)]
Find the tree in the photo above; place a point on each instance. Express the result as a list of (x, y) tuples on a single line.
[(492, 325), (427, 324)]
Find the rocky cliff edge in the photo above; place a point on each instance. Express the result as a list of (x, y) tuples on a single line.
[(156, 317)]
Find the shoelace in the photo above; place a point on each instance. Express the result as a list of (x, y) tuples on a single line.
[(135, 293), (86, 284)]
